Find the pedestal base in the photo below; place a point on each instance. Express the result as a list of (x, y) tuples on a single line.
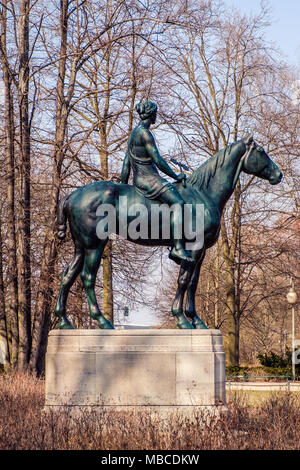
[(163, 371)]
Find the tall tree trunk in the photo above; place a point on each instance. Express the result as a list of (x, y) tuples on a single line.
[(4, 352), (44, 298), (217, 285), (24, 265), (231, 345), (232, 340), (207, 303), (108, 302), (232, 301), (11, 275), (45, 290)]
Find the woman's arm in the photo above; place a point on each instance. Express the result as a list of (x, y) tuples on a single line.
[(125, 169), (153, 152)]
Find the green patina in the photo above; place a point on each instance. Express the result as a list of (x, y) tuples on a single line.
[(211, 185)]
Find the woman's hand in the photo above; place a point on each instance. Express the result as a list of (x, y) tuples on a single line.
[(181, 178)]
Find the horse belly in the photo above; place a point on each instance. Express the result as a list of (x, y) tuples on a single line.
[(142, 228)]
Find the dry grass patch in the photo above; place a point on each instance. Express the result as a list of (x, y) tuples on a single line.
[(274, 423)]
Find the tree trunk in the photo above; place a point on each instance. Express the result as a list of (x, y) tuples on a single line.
[(217, 285), (24, 265), (11, 244), (45, 292), (43, 304), (232, 340), (207, 302), (108, 304), (4, 352)]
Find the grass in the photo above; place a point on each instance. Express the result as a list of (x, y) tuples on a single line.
[(256, 420), (259, 398)]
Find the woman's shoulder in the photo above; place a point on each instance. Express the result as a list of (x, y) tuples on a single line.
[(146, 135)]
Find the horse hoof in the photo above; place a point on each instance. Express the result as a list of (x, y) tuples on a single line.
[(104, 324), (199, 324), (65, 324), (184, 324)]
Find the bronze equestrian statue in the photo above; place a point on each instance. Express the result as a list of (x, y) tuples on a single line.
[(211, 185)]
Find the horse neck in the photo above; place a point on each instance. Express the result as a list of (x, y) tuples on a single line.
[(222, 184)]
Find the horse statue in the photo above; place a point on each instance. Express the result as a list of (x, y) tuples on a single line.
[(211, 185)]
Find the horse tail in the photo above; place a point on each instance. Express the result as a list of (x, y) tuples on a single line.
[(62, 217)]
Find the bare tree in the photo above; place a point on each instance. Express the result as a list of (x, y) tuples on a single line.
[(24, 232), (9, 81)]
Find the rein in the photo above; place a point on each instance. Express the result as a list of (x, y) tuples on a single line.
[(238, 170)]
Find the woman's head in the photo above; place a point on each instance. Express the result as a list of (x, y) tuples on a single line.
[(147, 110)]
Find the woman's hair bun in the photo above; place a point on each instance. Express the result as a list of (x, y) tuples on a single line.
[(145, 109)]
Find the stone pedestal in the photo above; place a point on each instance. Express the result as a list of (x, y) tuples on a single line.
[(162, 370)]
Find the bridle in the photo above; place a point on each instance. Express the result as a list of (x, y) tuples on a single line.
[(252, 146)]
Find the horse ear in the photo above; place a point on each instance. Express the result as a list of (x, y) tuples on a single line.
[(248, 139)]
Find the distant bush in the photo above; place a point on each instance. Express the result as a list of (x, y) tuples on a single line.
[(236, 370), (277, 364), (275, 360), (257, 373)]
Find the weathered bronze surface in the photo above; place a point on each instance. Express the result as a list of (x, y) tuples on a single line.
[(211, 185), (143, 156)]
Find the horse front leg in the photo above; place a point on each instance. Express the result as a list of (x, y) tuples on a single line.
[(190, 305), (91, 265), (184, 277)]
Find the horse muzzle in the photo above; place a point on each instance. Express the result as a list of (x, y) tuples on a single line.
[(276, 177)]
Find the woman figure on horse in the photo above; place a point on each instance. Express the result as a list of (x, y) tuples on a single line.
[(143, 157)]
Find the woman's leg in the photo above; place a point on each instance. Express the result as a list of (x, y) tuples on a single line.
[(173, 199)]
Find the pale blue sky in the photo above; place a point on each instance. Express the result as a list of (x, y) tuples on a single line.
[(285, 28)]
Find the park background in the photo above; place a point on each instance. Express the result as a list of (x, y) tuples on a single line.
[(72, 72)]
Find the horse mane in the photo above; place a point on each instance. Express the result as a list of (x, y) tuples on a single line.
[(202, 176)]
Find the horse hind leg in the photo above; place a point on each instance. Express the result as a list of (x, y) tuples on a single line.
[(92, 259), (68, 278)]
